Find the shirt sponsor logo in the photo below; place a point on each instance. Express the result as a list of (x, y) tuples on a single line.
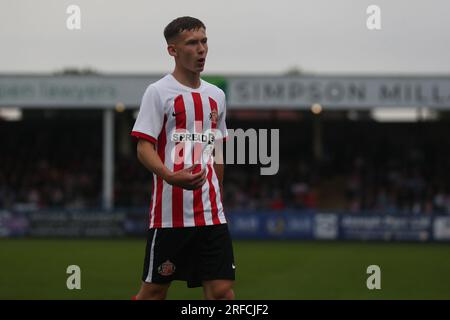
[(194, 137)]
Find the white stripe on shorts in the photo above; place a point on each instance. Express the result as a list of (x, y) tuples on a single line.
[(152, 254)]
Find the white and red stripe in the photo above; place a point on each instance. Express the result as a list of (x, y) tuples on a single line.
[(184, 110)]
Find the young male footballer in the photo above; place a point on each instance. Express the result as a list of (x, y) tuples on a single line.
[(181, 121)]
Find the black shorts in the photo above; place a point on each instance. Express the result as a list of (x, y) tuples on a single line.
[(192, 254)]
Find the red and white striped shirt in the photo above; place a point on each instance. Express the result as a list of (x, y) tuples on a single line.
[(183, 123)]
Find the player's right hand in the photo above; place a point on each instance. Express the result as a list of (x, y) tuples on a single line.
[(186, 179)]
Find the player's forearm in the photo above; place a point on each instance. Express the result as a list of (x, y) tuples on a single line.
[(149, 157)]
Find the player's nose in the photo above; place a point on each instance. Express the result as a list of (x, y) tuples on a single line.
[(201, 48)]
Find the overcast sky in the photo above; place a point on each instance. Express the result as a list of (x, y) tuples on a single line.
[(245, 36)]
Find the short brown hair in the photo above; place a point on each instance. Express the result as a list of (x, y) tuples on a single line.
[(180, 24)]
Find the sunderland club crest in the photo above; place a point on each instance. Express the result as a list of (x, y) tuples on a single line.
[(213, 116), (166, 269)]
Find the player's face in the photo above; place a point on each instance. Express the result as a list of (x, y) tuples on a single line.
[(191, 49)]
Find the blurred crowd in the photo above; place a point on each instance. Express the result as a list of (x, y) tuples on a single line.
[(371, 187), (51, 169), (397, 187), (38, 184), (75, 182)]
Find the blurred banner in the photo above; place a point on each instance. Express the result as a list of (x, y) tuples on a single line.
[(76, 224), (267, 225), (243, 92), (338, 92), (334, 226)]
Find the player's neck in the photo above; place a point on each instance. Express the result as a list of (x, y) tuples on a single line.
[(187, 78)]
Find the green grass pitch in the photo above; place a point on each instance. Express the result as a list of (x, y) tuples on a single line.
[(111, 269)]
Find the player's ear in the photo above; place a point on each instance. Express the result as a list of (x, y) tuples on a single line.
[(172, 50)]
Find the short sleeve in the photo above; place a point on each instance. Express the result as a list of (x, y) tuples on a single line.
[(222, 126), (149, 121)]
